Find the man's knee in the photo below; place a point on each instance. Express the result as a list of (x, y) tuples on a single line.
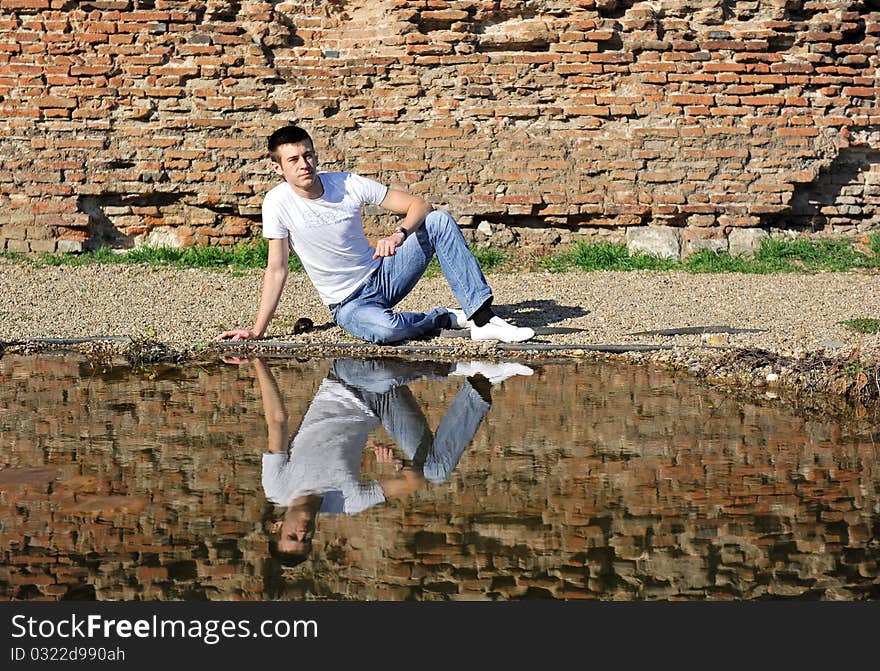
[(383, 335), (378, 331), (440, 218)]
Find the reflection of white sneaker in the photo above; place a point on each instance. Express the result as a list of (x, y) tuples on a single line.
[(498, 329), (494, 372), (457, 319)]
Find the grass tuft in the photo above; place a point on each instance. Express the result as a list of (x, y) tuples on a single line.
[(707, 261), (811, 255), (774, 256), (603, 256), (490, 258), (874, 243), (863, 325)]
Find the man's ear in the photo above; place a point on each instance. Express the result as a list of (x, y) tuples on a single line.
[(276, 167)]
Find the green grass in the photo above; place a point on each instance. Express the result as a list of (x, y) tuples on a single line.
[(489, 258), (603, 256), (793, 255), (707, 261), (774, 256), (863, 325), (252, 255)]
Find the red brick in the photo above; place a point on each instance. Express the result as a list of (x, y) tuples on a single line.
[(55, 101), (861, 91), (680, 99), (24, 4)]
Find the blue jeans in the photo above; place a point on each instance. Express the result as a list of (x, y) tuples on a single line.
[(384, 388), (367, 314)]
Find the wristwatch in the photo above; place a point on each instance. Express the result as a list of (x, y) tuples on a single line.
[(401, 229)]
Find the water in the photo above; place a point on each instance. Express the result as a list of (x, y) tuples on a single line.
[(579, 481)]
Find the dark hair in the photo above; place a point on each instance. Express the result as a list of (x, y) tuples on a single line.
[(278, 558), (288, 559), (287, 135)]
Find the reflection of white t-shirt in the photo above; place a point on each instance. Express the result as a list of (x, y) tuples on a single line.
[(327, 233), (325, 455)]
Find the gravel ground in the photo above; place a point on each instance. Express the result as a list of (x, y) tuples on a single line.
[(800, 313)]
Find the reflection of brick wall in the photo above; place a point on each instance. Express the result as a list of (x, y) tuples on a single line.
[(128, 121), (586, 481)]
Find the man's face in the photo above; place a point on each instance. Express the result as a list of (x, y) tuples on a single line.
[(297, 164), (295, 530)]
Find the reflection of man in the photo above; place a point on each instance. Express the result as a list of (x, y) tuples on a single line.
[(320, 469)]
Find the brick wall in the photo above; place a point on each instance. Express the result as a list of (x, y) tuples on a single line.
[(619, 482), (535, 122)]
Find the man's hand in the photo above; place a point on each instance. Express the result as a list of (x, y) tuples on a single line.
[(404, 484), (238, 334), (388, 246), (385, 455), (242, 360)]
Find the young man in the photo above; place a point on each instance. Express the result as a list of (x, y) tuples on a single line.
[(319, 216)]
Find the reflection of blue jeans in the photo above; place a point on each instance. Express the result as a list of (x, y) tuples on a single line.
[(382, 386), (367, 314)]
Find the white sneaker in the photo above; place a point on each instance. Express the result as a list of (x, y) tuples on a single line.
[(494, 372), (498, 329), (457, 319)]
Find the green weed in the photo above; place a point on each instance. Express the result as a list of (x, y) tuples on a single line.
[(707, 261), (490, 258), (433, 269), (863, 325), (603, 256), (774, 256), (811, 255)]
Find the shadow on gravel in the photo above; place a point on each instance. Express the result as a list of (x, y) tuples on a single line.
[(539, 313), (326, 326)]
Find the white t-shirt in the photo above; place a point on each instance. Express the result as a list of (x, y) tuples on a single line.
[(325, 455), (327, 233)]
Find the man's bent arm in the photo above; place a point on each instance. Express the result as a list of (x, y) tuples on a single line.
[(273, 408), (273, 284), (415, 209)]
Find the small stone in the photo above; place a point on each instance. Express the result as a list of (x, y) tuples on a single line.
[(696, 245), (714, 339), (70, 246), (161, 237), (772, 377), (746, 241), (660, 241), (831, 344)]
